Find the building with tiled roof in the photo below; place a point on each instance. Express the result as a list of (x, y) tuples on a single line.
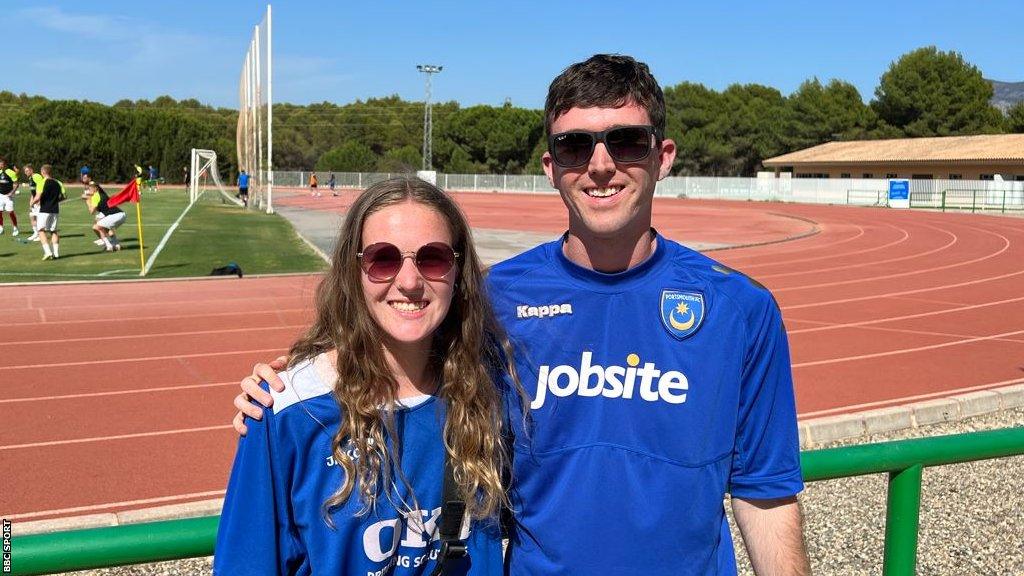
[(952, 158)]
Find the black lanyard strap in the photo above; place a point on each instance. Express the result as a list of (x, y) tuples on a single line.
[(453, 512)]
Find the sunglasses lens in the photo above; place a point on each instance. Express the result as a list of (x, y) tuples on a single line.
[(628, 144), (572, 148), (435, 260), (382, 261)]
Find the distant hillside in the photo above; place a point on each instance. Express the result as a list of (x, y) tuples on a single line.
[(1006, 94)]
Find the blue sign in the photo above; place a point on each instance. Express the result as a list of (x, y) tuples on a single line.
[(899, 189)]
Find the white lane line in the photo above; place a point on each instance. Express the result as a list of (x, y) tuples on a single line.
[(898, 318), (907, 350), (27, 515), (114, 392), (906, 399), (861, 264), (245, 313), (824, 243), (904, 292), (1006, 246), (832, 256), (939, 334), (144, 359), (152, 335), (117, 437), (199, 296), (188, 297), (931, 301), (926, 332)]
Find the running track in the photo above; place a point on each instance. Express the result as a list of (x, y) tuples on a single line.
[(117, 395)]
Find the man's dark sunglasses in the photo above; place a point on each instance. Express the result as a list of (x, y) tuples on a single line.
[(383, 260), (624, 144)]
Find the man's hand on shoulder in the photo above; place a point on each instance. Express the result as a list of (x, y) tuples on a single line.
[(251, 390)]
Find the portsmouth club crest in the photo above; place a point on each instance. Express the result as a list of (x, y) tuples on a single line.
[(682, 312)]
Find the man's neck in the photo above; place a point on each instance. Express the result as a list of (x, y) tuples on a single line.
[(609, 255)]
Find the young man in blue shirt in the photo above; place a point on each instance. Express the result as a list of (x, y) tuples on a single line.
[(243, 188), (660, 380)]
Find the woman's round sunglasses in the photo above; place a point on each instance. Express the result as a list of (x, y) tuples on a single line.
[(383, 260), (624, 144)]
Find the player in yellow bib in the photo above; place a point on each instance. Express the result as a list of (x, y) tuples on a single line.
[(35, 186), (8, 187), (108, 218)]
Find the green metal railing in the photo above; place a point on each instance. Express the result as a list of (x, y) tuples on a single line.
[(903, 460), (1001, 201)]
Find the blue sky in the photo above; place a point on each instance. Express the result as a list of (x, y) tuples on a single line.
[(346, 50)]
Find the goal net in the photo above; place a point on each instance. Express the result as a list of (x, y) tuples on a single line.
[(254, 136), (205, 176)]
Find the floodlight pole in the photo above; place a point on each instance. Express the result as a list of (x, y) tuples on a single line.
[(428, 119)]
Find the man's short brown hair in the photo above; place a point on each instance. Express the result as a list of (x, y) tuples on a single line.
[(608, 81)]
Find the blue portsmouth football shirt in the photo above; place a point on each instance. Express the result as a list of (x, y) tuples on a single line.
[(653, 393), (284, 471)]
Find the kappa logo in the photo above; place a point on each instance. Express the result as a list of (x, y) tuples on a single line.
[(682, 312), (524, 311)]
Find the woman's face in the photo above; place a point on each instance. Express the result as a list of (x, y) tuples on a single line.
[(409, 308)]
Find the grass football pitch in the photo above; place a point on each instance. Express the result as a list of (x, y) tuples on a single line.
[(212, 234)]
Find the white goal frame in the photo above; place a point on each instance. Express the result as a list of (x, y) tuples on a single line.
[(205, 162)]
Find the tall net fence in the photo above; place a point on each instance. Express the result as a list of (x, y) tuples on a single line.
[(254, 135)]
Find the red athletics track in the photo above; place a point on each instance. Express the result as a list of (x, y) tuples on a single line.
[(117, 396)]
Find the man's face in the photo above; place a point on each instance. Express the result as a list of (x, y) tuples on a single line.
[(28, 171), (605, 198)]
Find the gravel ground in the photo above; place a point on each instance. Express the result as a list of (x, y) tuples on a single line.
[(972, 517)]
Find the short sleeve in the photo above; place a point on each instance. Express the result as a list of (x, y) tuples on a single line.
[(256, 534), (766, 458)]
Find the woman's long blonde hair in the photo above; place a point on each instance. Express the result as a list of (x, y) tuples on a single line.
[(469, 351)]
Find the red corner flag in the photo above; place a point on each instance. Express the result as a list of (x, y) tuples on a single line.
[(129, 194)]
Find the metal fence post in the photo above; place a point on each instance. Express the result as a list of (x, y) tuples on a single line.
[(902, 516)]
